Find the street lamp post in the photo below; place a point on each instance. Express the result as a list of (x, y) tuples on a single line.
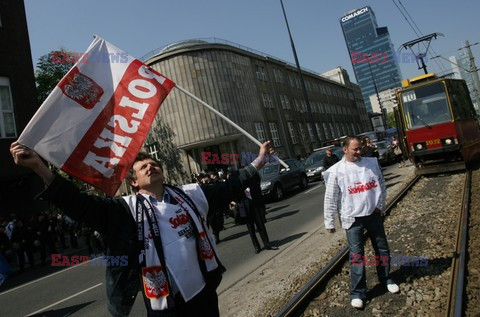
[(304, 89), (378, 95)]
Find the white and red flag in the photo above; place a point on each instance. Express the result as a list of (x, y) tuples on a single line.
[(93, 124)]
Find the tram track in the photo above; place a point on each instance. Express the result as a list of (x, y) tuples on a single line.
[(455, 298), (410, 300)]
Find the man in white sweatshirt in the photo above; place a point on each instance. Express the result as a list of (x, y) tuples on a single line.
[(356, 189)]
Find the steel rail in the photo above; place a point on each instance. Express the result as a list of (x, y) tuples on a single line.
[(457, 278), (334, 264)]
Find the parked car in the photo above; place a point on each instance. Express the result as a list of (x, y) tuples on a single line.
[(339, 152), (314, 163), (276, 180), (386, 153)]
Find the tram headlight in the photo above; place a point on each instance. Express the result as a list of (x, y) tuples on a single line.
[(449, 141), (419, 146)]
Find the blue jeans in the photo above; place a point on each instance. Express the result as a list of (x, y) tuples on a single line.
[(356, 241)]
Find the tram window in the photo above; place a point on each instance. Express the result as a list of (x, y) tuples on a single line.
[(461, 102), (426, 105)]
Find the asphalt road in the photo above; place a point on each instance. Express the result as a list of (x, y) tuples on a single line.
[(80, 290)]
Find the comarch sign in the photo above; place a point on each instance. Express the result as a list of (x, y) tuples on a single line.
[(354, 14)]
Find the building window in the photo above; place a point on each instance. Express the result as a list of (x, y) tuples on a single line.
[(278, 75), (260, 131), (152, 149), (344, 129), (291, 81), (304, 105), (307, 85), (320, 108), (284, 101), (292, 133), (7, 117), (332, 130), (320, 133), (297, 80), (310, 132), (261, 75), (295, 104), (267, 101), (274, 133), (302, 132), (328, 133)]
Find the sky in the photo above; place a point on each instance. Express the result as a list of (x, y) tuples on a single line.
[(138, 27)]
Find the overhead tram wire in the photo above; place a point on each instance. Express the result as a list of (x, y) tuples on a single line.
[(440, 66), (404, 9)]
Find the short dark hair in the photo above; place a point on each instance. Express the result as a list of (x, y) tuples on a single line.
[(365, 140), (350, 138), (140, 157)]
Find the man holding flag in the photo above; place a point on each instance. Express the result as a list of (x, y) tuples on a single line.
[(162, 230), (92, 126)]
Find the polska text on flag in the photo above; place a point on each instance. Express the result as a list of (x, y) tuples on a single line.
[(93, 124)]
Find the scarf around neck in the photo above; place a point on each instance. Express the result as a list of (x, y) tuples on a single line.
[(156, 280)]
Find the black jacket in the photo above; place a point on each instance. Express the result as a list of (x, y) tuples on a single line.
[(113, 219), (329, 161), (370, 151)]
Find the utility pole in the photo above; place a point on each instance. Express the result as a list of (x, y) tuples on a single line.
[(474, 72), (304, 89)]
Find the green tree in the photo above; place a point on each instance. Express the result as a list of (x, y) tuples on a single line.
[(160, 141), (391, 123), (50, 70)]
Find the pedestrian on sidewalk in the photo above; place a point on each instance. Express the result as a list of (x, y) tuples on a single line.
[(369, 149), (22, 243), (251, 209)]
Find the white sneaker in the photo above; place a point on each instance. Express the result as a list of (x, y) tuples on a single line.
[(393, 288), (357, 303)]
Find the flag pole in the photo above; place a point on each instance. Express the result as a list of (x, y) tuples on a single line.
[(236, 126)]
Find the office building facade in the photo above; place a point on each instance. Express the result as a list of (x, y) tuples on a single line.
[(260, 93), (388, 99), (372, 53), (461, 70)]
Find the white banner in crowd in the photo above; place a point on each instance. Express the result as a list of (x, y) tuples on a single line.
[(95, 121)]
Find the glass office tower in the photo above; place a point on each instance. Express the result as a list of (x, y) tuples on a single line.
[(373, 57)]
